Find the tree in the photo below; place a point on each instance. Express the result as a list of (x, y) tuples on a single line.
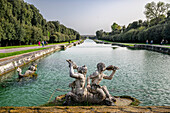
[(115, 27), (1, 33), (166, 31), (36, 35), (78, 37), (28, 34), (99, 34), (20, 33), (168, 14), (22, 23), (154, 11), (145, 23), (57, 25), (134, 25), (123, 28)]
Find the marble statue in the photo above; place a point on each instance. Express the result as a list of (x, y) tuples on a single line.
[(78, 86), (97, 77), (29, 73), (93, 93)]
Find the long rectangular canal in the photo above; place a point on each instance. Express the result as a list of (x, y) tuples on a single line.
[(143, 74)]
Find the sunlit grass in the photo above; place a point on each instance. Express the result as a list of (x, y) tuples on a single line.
[(3, 55), (132, 44), (105, 41), (9, 47)]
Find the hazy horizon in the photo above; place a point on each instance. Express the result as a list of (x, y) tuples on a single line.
[(88, 16)]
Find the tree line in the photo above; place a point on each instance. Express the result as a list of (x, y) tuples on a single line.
[(21, 23), (156, 27)]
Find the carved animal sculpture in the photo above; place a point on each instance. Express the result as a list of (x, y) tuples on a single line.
[(29, 73)]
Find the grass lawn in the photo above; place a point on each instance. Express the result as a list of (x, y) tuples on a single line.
[(3, 55), (132, 44), (9, 47), (128, 44), (106, 41)]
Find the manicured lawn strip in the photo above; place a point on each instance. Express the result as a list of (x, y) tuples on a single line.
[(73, 41), (3, 55), (106, 41), (9, 47), (128, 44), (132, 44)]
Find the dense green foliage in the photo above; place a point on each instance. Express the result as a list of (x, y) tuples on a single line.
[(156, 28), (156, 12), (21, 23)]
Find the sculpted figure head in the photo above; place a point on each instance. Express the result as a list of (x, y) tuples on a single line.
[(82, 69), (33, 67), (101, 66)]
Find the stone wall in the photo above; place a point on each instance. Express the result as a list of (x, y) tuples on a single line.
[(89, 109), (154, 48), (11, 64), (148, 47), (157, 48)]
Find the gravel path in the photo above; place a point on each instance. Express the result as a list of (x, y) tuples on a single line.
[(24, 48)]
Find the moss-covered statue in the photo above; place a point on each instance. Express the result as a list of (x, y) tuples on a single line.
[(29, 73), (93, 93)]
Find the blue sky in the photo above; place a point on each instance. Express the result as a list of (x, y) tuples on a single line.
[(88, 16)]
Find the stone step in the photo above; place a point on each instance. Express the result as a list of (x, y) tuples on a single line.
[(65, 109)]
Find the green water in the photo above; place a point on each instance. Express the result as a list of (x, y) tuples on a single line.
[(143, 74)]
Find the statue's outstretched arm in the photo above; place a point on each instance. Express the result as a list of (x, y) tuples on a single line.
[(111, 75), (73, 66), (114, 68), (72, 74), (73, 63)]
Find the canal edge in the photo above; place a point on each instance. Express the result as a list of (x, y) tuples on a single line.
[(140, 46), (23, 59)]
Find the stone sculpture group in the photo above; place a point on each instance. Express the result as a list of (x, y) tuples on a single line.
[(93, 93), (29, 73)]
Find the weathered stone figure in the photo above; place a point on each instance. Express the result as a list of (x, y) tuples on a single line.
[(95, 94), (33, 67), (29, 73), (97, 77), (79, 91)]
